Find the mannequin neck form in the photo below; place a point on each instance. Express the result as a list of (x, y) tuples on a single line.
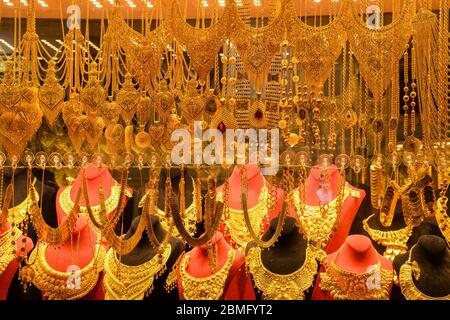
[(255, 184), (431, 247), (95, 177), (5, 227), (62, 256), (330, 176), (199, 256), (254, 176), (356, 254)]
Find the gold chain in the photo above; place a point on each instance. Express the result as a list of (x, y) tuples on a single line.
[(8, 247)]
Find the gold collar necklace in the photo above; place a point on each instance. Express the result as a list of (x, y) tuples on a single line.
[(123, 282), (317, 226), (409, 290), (235, 222), (57, 285), (7, 247), (205, 288), (443, 220), (282, 286), (111, 204), (18, 213), (341, 284), (394, 240)]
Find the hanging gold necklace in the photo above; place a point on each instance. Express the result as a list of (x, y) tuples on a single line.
[(406, 281), (443, 220), (7, 247), (282, 286), (67, 204), (17, 214), (54, 284), (235, 222), (205, 288), (394, 240), (123, 282), (318, 221)]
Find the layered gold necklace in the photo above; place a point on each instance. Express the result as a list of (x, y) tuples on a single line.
[(282, 286), (406, 281), (345, 285), (56, 285), (8, 247), (111, 204), (205, 288), (123, 282), (235, 221), (18, 213), (318, 221), (443, 220), (394, 240)]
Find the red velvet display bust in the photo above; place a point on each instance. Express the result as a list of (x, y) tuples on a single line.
[(256, 182), (350, 204), (61, 257), (238, 285), (7, 276), (356, 255)]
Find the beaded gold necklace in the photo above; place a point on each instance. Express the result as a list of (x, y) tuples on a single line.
[(123, 282), (394, 240), (346, 285), (54, 284), (282, 286), (406, 281), (235, 222), (205, 288), (7, 247)]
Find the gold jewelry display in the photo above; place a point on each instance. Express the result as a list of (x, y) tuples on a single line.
[(235, 222), (123, 282), (17, 214), (442, 218), (282, 286), (346, 285), (394, 241), (53, 283), (8, 247), (409, 271), (205, 288)]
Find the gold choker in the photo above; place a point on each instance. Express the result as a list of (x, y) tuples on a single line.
[(111, 204), (235, 223), (282, 286), (345, 285), (443, 220), (8, 247), (123, 282), (205, 288), (394, 240), (57, 285)]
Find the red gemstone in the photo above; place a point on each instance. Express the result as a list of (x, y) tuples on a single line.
[(259, 114), (221, 127)]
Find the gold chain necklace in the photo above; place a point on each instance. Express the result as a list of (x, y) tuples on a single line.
[(235, 222), (394, 240), (67, 204), (282, 286), (318, 226), (443, 220), (123, 282), (407, 286), (345, 285), (18, 213), (54, 284), (206, 288), (7, 247)]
